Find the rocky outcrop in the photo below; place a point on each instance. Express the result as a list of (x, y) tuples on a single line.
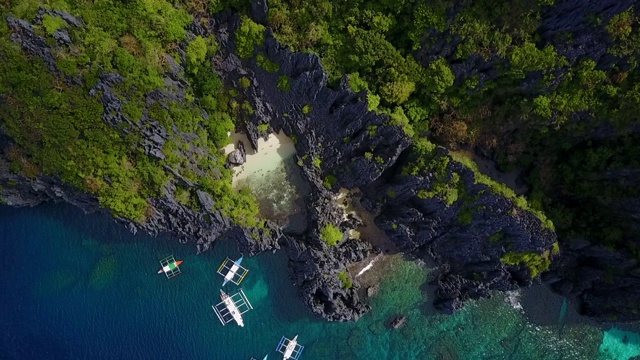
[(314, 271), (466, 238), (332, 132), (577, 18), (604, 283), (601, 280), (336, 137), (332, 125), (167, 215), (237, 157)]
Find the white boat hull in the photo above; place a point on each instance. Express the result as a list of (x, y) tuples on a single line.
[(233, 310), (291, 346)]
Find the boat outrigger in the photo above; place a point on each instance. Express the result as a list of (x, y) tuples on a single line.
[(170, 267), (290, 348), (232, 271), (232, 307)]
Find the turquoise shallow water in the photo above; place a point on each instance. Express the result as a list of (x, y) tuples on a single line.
[(78, 286)]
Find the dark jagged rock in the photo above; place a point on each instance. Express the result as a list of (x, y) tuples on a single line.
[(602, 281), (315, 270), (320, 286), (68, 18), (468, 251), (237, 157), (605, 283), (18, 190), (259, 11), (62, 37)]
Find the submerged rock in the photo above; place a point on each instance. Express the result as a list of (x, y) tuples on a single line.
[(398, 322), (373, 290)]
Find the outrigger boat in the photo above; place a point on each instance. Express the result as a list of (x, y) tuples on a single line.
[(232, 271), (170, 267), (290, 348), (232, 307)]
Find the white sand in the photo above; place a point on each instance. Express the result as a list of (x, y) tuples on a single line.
[(270, 154)]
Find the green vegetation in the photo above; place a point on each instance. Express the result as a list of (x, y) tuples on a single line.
[(555, 110), (248, 36), (346, 280), (499, 188), (465, 216), (266, 64), (330, 234), (263, 127), (498, 237), (536, 263), (196, 51), (58, 128), (329, 181), (244, 82), (284, 84), (307, 109), (52, 24), (248, 109), (317, 162)]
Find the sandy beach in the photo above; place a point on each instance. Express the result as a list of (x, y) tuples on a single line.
[(270, 154)]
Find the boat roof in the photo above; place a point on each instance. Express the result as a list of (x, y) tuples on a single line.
[(232, 271), (170, 267)]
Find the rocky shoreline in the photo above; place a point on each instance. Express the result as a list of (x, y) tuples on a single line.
[(468, 254)]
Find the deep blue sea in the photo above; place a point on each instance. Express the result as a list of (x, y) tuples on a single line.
[(76, 286)]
